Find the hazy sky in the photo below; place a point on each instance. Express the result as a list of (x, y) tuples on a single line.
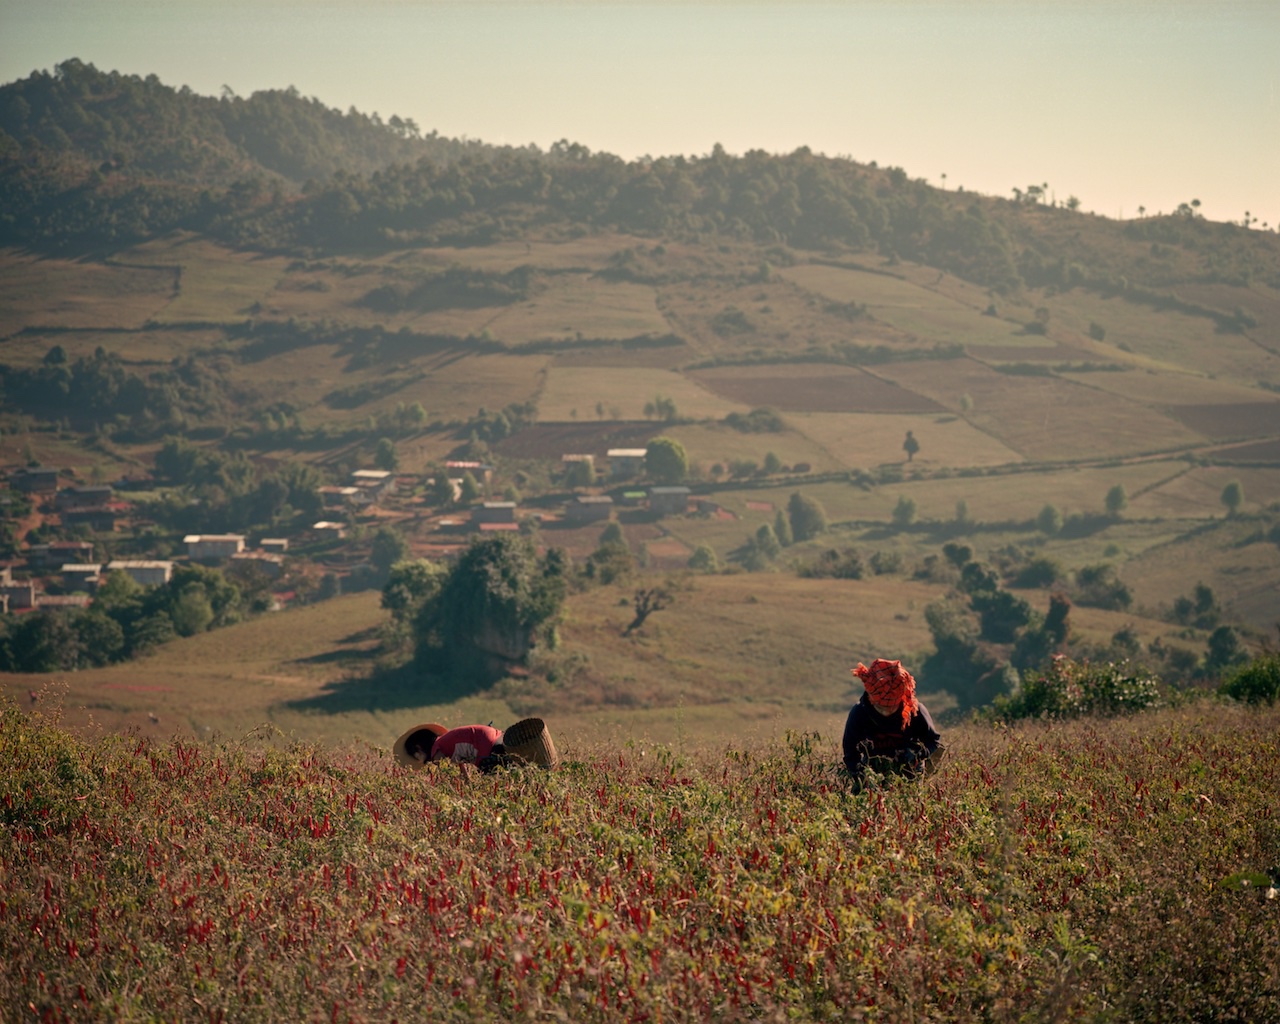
[(1124, 104)]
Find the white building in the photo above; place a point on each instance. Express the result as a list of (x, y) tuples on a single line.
[(144, 573), (213, 547)]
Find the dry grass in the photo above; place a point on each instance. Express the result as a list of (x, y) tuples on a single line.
[(1043, 417), (1242, 569), (581, 306), (1197, 493), (450, 385), (624, 394), (868, 287), (763, 651), (1174, 339), (867, 440), (455, 388), (708, 444), (1166, 387), (587, 252), (38, 292), (216, 284), (929, 315)]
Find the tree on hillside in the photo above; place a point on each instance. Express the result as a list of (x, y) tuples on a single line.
[(1224, 651), (1201, 611), (782, 529), (440, 492), (1049, 521), (904, 512), (704, 559), (191, 611), (386, 456), (808, 517), (468, 489), (1233, 497), (223, 595), (1117, 500), (665, 460), (910, 446), (960, 663), (662, 408), (409, 584), (612, 561), (647, 600), (388, 548), (581, 473), (766, 542), (958, 555), (1041, 571), (1099, 587), (499, 601)]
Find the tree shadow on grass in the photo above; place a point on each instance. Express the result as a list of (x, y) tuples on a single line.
[(386, 689)]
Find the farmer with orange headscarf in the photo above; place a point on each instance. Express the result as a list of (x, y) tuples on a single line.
[(889, 729)]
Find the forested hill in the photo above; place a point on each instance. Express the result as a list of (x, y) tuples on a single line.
[(92, 160), (80, 118)]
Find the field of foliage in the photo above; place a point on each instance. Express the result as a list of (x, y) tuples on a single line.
[(1094, 870)]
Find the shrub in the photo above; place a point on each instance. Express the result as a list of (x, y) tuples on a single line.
[(1069, 689), (834, 564), (1255, 683), (704, 559), (1099, 588), (1039, 572), (757, 421), (808, 517)]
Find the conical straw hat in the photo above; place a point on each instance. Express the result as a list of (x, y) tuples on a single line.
[(531, 740), (400, 747)]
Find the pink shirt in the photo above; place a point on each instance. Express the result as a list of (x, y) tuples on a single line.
[(467, 743)]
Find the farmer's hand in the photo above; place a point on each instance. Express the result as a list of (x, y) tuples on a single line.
[(908, 757)]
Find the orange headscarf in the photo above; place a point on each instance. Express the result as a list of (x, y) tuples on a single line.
[(887, 683)]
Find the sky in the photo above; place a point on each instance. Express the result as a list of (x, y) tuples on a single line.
[(1127, 105)]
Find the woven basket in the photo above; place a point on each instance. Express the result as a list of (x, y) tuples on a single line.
[(531, 740)]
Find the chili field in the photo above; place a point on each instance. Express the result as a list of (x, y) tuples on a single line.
[(1096, 870)]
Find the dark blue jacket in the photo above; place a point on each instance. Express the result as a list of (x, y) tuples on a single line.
[(885, 733)]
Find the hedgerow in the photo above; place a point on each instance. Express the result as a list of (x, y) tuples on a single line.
[(1087, 870)]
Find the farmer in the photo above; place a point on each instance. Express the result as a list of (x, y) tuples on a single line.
[(431, 742), (527, 742), (888, 729)]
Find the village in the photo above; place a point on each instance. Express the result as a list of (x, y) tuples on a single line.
[(90, 523)]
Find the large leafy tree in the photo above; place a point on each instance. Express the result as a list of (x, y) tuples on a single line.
[(665, 460), (808, 517), (500, 600)]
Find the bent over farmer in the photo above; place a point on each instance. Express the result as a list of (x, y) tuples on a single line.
[(889, 729), (431, 742)]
